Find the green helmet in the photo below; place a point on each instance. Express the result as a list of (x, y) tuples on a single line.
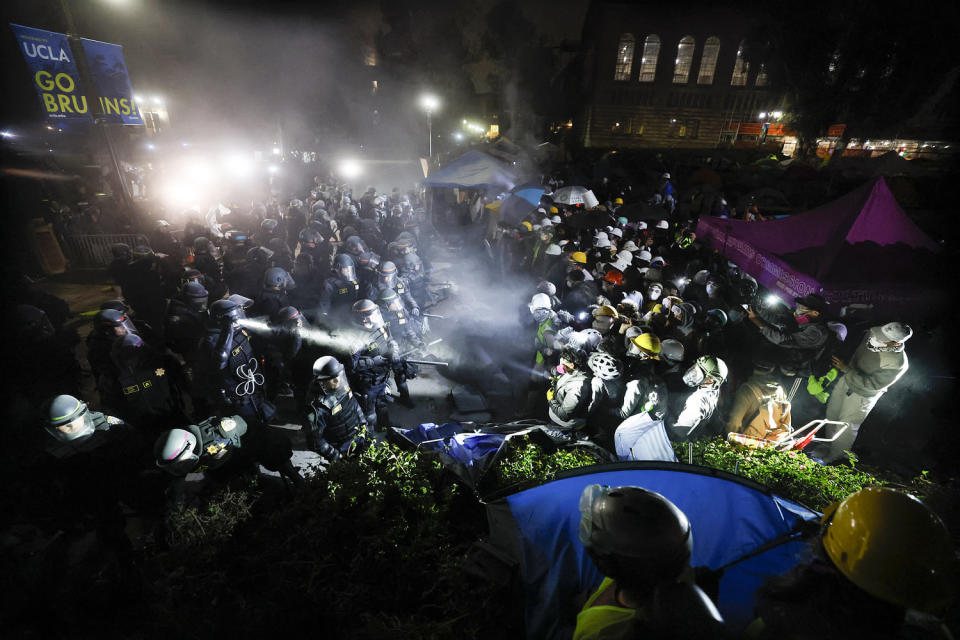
[(67, 418), (706, 367)]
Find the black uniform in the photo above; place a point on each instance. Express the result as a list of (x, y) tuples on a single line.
[(235, 372), (335, 425), (338, 295), (370, 368)]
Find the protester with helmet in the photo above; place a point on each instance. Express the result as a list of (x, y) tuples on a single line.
[(883, 566), (569, 394), (694, 412), (606, 397), (877, 364), (334, 424), (645, 391), (642, 543)]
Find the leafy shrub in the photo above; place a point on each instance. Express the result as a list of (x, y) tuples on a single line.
[(524, 461), (790, 474)]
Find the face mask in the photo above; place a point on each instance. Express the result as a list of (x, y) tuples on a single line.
[(711, 289), (802, 319), (602, 323), (653, 294), (693, 377), (541, 315)]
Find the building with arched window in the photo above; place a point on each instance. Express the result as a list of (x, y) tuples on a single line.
[(704, 95)]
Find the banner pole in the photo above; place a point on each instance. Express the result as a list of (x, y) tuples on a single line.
[(99, 122)]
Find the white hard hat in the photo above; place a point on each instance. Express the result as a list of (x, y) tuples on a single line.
[(663, 224), (556, 220), (625, 255), (645, 255), (641, 226), (541, 210), (630, 246), (658, 262), (617, 232), (601, 241), (546, 223), (536, 227), (563, 242), (620, 264), (666, 175), (600, 234), (553, 250), (539, 301)]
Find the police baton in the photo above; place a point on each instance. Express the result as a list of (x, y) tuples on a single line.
[(428, 362)]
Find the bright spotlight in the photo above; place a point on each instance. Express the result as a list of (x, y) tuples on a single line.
[(276, 151), (350, 169), (198, 171), (7, 134), (274, 169), (181, 195), (777, 114), (238, 164), (138, 98), (771, 300), (429, 102), (458, 135), (157, 100), (763, 114), (150, 146)]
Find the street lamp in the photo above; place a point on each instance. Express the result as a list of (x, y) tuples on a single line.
[(430, 103)]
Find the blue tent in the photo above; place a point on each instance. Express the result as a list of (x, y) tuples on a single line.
[(734, 521), (474, 169)]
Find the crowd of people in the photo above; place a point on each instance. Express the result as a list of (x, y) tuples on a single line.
[(325, 300)]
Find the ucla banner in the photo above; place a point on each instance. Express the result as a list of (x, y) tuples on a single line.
[(111, 82), (54, 73), (57, 80)]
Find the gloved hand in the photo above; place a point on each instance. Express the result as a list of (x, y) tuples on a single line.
[(415, 312), (379, 361)]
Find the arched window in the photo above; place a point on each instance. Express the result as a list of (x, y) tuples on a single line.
[(740, 68), (762, 78), (648, 63), (624, 57), (708, 62), (681, 69)]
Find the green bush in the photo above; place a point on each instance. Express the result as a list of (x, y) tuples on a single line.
[(789, 474), (524, 461)]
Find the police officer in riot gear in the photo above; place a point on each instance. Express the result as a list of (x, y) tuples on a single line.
[(234, 368), (273, 295), (334, 424), (371, 362), (341, 289), (389, 277), (281, 348), (146, 387), (108, 325)]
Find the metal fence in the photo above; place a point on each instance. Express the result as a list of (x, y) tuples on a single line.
[(93, 251)]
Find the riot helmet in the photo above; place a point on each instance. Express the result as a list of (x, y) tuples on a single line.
[(367, 314), (177, 451), (355, 245), (344, 267), (328, 371), (269, 225), (127, 351), (387, 297), (68, 418), (275, 278), (196, 296), (111, 322), (201, 244), (121, 251)]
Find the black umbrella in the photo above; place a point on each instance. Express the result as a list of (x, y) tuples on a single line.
[(636, 211)]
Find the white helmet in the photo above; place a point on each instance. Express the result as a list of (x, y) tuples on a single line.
[(671, 350), (641, 226), (645, 256), (658, 262), (663, 224), (546, 222), (553, 250), (620, 264), (617, 232), (541, 210), (592, 338), (625, 256), (539, 301), (666, 175), (630, 246), (556, 220), (603, 365), (601, 242)]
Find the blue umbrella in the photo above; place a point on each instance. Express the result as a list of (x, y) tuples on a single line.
[(531, 194)]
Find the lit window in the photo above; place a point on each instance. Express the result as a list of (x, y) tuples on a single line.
[(624, 57), (740, 69), (648, 63), (708, 63), (374, 85), (762, 78), (681, 70)]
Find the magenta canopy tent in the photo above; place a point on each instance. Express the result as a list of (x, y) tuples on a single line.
[(859, 249)]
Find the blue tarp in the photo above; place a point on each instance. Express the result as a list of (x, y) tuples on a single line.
[(730, 518), (473, 169)]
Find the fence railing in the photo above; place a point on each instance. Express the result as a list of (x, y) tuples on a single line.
[(93, 251)]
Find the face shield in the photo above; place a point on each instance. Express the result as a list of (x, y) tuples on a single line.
[(636, 352), (332, 384), (79, 427), (371, 319), (198, 303), (694, 376), (388, 279), (348, 272)]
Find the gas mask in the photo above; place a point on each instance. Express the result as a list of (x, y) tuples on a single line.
[(693, 377), (603, 324)]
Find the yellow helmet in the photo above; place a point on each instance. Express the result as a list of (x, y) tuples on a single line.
[(526, 225), (579, 257), (892, 546), (554, 210), (605, 310), (649, 343), (618, 201)]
